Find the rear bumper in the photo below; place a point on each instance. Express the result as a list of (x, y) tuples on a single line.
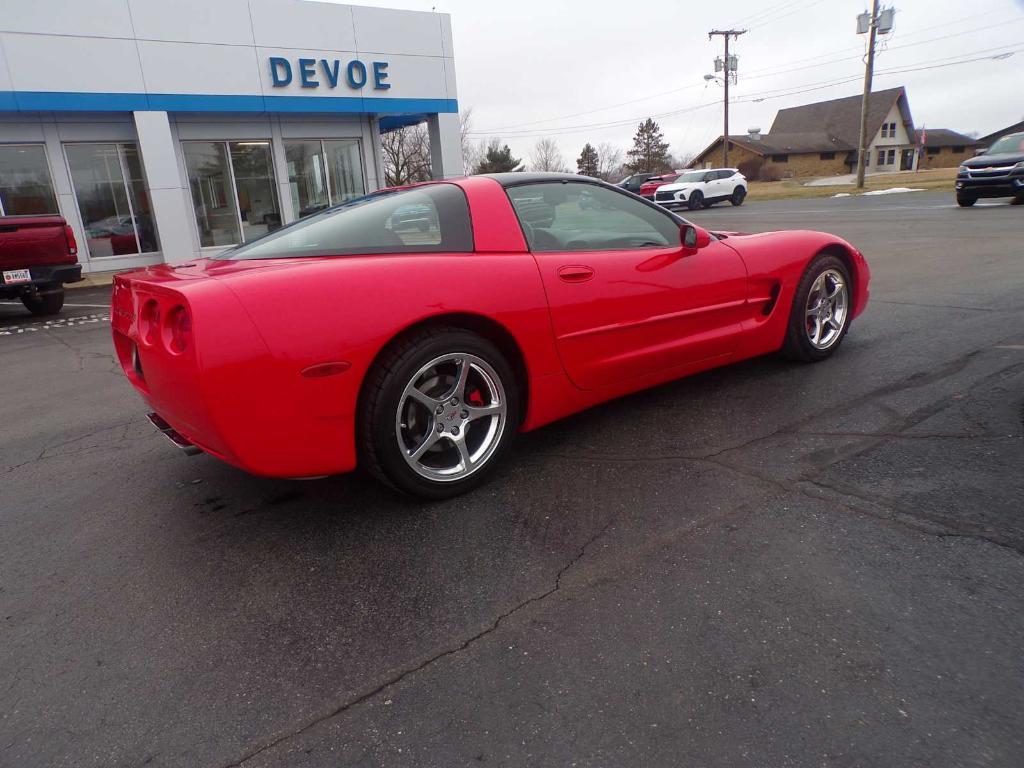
[(43, 276)]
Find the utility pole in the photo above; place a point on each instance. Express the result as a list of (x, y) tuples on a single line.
[(728, 72), (869, 72)]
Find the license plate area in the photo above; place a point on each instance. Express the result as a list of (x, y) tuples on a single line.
[(16, 276)]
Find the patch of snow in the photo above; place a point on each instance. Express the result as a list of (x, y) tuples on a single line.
[(841, 194), (832, 181), (892, 191)]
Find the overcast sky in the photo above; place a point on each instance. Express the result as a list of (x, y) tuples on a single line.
[(549, 67)]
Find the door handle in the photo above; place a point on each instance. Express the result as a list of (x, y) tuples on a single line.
[(575, 273)]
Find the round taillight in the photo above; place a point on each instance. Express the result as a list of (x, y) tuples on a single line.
[(178, 327), (149, 322)]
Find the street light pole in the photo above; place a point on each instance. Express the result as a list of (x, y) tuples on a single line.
[(869, 71), (727, 71)]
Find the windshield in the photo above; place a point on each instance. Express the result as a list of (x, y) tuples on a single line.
[(691, 176), (426, 219), (1008, 144)]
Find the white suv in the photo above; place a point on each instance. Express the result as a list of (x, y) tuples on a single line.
[(695, 189)]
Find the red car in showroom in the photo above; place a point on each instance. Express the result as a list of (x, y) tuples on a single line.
[(359, 337)]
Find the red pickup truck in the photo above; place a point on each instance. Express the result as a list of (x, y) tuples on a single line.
[(38, 255)]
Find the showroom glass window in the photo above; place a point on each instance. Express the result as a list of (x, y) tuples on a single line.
[(234, 193), (323, 172), (112, 199), (25, 184)]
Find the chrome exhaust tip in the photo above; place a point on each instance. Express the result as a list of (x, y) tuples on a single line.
[(173, 435)]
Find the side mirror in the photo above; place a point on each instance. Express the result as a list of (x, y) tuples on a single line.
[(695, 238), (980, 151)]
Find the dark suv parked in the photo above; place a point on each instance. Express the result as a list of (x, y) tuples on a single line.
[(999, 172), (632, 183)]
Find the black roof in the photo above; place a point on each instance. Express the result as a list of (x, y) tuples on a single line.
[(532, 177), (943, 137), (1008, 130)]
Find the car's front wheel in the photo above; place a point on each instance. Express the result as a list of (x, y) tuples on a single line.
[(738, 195), (965, 201), (696, 201), (820, 313), (440, 410)]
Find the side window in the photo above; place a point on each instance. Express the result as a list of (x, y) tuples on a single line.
[(559, 216)]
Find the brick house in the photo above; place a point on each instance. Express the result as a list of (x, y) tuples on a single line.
[(821, 139), (942, 148)]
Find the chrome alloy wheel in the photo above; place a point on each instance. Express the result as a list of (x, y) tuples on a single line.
[(828, 302), (451, 417)]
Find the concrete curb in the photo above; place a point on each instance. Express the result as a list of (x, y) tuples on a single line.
[(93, 280)]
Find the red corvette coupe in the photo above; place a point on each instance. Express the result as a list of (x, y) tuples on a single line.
[(414, 331)]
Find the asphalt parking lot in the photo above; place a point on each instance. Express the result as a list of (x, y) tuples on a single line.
[(765, 565)]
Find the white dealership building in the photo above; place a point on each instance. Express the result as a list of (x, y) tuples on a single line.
[(165, 130)]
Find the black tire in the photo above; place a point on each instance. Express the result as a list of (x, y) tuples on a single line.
[(738, 195), (42, 304), (696, 201), (379, 448), (797, 346), (965, 201), (1018, 200)]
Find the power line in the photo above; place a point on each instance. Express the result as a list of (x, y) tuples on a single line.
[(756, 74), (755, 97), (773, 19), (757, 16), (895, 71), (763, 74)]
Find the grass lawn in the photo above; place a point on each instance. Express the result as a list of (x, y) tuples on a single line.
[(939, 178)]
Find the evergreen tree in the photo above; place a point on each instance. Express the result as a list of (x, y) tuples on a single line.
[(650, 152), (498, 159), (587, 162)]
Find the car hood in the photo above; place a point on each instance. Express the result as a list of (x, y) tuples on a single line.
[(1003, 158), (675, 187)]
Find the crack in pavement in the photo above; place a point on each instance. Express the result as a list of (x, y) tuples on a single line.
[(407, 672), (942, 306), (931, 525)]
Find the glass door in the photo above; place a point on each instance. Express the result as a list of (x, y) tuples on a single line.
[(307, 177), (112, 199), (323, 172)]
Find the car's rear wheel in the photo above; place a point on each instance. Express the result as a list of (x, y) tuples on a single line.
[(440, 411), (738, 196), (965, 201), (48, 302), (820, 315), (696, 201)]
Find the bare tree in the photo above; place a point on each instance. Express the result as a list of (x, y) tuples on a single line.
[(546, 157), (406, 155), (681, 160), (609, 162), (472, 151)]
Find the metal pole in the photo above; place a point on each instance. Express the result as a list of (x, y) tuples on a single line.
[(727, 72), (868, 72), (725, 136)]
